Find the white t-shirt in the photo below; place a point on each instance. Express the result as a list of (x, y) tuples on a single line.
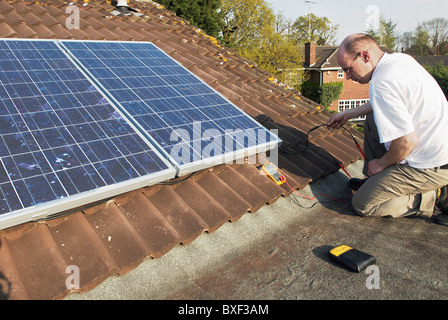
[(406, 98)]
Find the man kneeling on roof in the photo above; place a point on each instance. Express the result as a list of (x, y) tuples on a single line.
[(406, 133)]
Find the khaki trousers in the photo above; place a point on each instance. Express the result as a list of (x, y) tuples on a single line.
[(399, 190)]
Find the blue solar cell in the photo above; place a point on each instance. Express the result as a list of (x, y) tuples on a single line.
[(59, 136), (172, 105)]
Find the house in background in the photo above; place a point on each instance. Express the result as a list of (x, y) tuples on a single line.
[(322, 67), (432, 60), (427, 57), (419, 51)]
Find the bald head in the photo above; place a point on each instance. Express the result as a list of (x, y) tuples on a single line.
[(358, 56), (358, 42)]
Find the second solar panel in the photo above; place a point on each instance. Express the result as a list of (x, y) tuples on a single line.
[(193, 124)]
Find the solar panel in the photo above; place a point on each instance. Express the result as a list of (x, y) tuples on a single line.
[(62, 143), (192, 123)]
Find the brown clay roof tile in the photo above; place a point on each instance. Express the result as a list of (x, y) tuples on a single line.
[(7, 31), (207, 207)]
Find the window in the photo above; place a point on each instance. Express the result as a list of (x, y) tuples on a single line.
[(340, 74), (350, 104)]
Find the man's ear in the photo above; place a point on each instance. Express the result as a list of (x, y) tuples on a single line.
[(365, 56)]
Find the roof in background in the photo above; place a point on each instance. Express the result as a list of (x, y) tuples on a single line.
[(114, 236), (432, 60), (326, 57)]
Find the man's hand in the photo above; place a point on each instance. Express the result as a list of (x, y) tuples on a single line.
[(374, 166), (337, 120), (399, 149)]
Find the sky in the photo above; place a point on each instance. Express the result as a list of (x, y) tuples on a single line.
[(354, 16)]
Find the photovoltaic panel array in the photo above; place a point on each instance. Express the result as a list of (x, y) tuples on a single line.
[(192, 123), (62, 143)]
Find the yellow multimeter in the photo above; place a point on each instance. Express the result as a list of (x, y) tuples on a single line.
[(272, 172)]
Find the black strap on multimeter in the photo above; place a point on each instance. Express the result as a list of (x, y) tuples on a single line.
[(353, 259)]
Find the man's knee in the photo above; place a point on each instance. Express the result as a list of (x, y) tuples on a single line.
[(393, 208), (365, 209), (359, 206)]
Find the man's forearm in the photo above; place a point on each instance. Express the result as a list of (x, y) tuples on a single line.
[(339, 119), (398, 151), (360, 111)]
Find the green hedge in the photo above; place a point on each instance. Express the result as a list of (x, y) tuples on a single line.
[(440, 73), (324, 94)]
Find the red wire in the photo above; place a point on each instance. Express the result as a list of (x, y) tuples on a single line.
[(340, 165), (319, 194), (361, 151)]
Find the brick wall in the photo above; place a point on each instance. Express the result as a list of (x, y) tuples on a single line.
[(352, 90)]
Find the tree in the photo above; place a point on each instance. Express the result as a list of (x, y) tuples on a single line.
[(245, 21), (323, 32), (385, 35), (256, 33), (421, 36), (437, 30), (204, 14), (440, 73), (389, 33), (277, 55), (415, 41), (282, 25), (432, 33)]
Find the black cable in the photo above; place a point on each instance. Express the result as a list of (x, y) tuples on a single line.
[(169, 183), (290, 151), (307, 148)]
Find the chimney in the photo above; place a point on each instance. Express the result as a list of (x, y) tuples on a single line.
[(310, 53)]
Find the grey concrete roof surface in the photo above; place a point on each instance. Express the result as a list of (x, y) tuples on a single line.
[(280, 252)]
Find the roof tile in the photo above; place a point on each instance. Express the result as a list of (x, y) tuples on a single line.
[(43, 32), (271, 190), (56, 12), (80, 246), (42, 271), (255, 108), (178, 213), (6, 31), (245, 188), (13, 18), (24, 31), (5, 7), (205, 205), (10, 277), (229, 199), (150, 224), (31, 19), (36, 7), (19, 7), (118, 235)]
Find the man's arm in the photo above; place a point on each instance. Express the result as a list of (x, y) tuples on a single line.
[(339, 119), (399, 149)]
